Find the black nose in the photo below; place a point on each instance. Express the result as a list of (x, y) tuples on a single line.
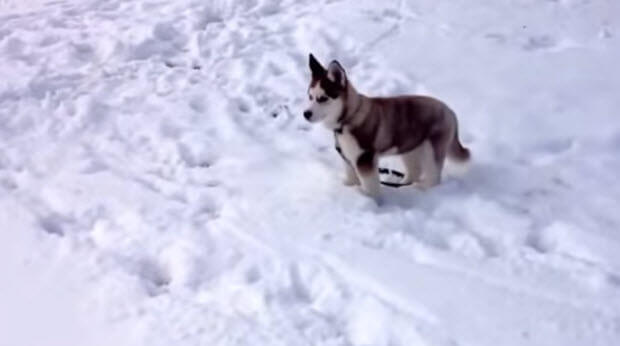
[(308, 115)]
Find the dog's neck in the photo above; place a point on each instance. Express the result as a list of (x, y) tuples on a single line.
[(353, 103)]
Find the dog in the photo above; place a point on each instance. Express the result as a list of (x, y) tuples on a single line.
[(421, 130)]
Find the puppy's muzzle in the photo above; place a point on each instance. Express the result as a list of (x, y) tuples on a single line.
[(308, 115)]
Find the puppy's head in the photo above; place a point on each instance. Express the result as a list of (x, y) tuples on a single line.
[(326, 92)]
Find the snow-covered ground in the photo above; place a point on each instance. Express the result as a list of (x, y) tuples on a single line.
[(159, 186)]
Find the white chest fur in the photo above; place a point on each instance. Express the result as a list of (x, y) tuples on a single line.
[(349, 146)]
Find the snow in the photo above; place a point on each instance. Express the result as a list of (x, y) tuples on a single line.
[(159, 186)]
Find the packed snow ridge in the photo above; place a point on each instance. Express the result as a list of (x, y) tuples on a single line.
[(160, 186)]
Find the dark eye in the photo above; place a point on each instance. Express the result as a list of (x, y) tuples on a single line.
[(321, 99), (310, 97)]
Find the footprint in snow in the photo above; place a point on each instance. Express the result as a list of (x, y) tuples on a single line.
[(195, 155), (252, 274), (154, 276), (605, 33), (53, 224), (556, 146), (496, 37), (197, 104), (242, 105), (8, 183), (280, 111), (540, 42)]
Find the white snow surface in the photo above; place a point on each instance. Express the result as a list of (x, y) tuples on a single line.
[(159, 186)]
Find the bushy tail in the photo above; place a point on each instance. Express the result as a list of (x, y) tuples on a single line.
[(457, 151)]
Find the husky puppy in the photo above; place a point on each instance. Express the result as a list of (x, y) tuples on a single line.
[(420, 129)]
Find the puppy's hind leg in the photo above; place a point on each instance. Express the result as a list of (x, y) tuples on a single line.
[(412, 161), (366, 167), (431, 170)]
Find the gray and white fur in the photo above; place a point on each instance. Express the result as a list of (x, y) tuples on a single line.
[(421, 130)]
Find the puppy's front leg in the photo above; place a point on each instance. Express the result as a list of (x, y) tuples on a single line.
[(367, 171), (350, 177)]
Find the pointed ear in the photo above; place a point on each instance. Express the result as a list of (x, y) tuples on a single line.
[(315, 66), (336, 73)]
